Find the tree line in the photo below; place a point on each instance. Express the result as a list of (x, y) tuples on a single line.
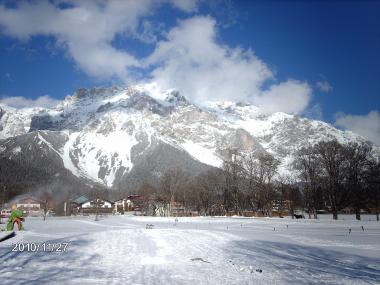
[(327, 176)]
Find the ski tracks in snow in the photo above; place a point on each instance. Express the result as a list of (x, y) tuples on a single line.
[(163, 256)]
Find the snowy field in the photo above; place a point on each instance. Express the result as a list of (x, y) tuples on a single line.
[(120, 250)]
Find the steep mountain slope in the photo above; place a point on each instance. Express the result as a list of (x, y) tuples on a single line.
[(32, 162), (121, 137)]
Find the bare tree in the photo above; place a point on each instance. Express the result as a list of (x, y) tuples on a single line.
[(292, 194), (357, 158), (258, 170), (209, 193), (267, 168), (95, 197), (308, 166), (233, 173), (332, 161), (288, 194), (204, 195), (45, 198), (373, 186), (171, 184), (251, 169), (149, 199)]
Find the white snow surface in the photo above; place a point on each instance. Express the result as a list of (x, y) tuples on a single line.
[(199, 250), (67, 161), (202, 154)]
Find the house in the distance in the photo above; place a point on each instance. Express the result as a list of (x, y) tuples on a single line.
[(99, 205), (84, 205), (73, 206), (31, 206), (131, 203), (80, 200), (121, 205), (135, 202)]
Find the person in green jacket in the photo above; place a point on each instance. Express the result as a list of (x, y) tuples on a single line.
[(16, 217)]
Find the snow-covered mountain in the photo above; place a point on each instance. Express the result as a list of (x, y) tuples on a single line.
[(120, 137)]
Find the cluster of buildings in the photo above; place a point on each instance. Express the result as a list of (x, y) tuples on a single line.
[(132, 203), (83, 205), (33, 206)]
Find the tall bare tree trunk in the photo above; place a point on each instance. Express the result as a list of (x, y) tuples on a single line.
[(357, 213), (335, 213), (315, 213)]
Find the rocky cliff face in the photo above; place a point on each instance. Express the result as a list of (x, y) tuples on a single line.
[(121, 136)]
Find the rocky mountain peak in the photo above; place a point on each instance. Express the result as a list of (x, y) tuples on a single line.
[(118, 134), (175, 98), (96, 92)]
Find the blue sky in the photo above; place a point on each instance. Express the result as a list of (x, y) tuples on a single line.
[(317, 58)]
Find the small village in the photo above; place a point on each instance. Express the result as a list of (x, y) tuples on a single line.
[(34, 206), (83, 205)]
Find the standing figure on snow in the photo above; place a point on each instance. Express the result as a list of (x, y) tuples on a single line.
[(15, 218)]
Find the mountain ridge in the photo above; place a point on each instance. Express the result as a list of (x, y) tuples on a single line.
[(109, 135)]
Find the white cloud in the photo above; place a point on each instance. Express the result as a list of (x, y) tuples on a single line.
[(192, 61), (22, 102), (367, 126), (324, 86), (290, 97), (86, 29)]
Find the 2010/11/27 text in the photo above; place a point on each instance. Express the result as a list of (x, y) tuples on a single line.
[(40, 247)]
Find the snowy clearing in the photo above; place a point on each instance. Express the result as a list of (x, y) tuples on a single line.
[(120, 249)]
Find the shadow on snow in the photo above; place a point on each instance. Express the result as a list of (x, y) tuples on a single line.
[(295, 264), (47, 267)]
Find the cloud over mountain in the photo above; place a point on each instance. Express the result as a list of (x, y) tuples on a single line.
[(189, 57), (366, 125), (21, 102)]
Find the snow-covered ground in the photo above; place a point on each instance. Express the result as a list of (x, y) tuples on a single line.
[(120, 250)]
